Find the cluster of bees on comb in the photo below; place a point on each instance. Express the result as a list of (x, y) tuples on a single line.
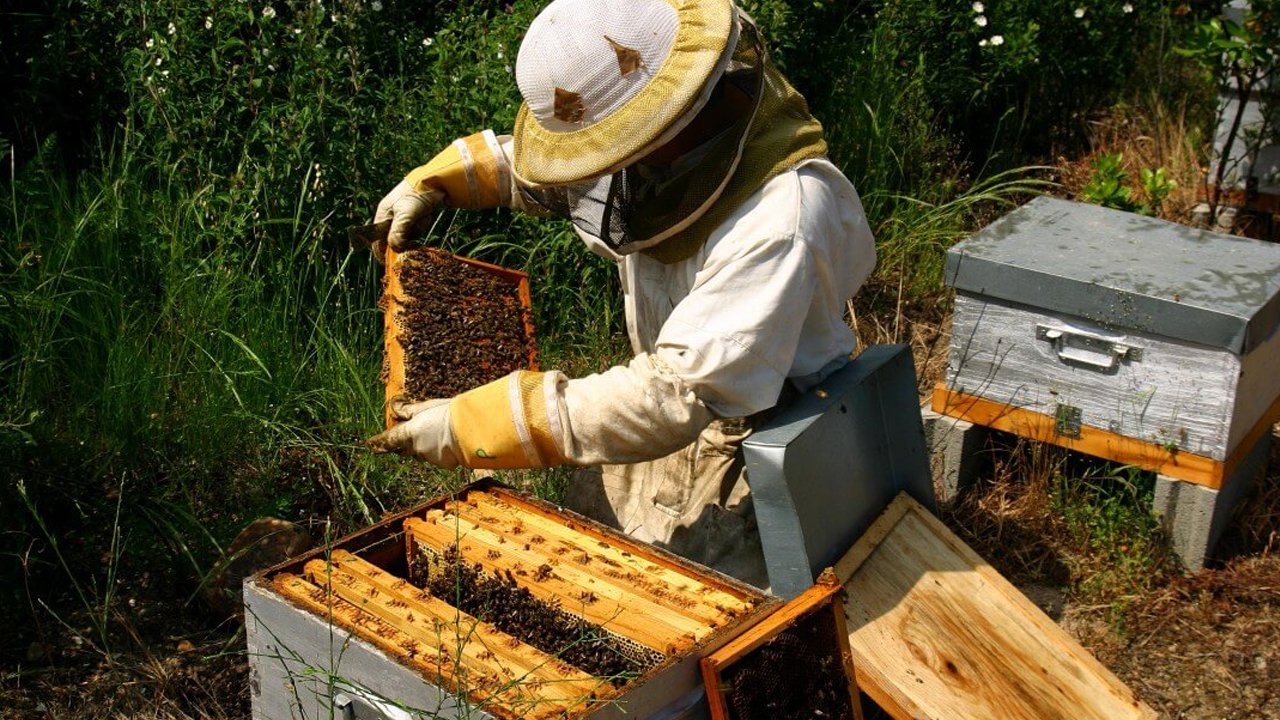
[(529, 614)]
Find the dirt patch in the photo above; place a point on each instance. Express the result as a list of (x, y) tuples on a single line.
[(461, 326), (164, 662), (1206, 646)]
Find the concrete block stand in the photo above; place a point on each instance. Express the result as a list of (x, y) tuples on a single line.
[(953, 447), (1195, 516)]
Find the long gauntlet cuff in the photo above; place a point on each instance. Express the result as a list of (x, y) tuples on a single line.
[(512, 422), (472, 173), (628, 413)]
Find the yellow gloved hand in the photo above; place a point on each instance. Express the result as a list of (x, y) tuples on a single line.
[(423, 433), (410, 213), (633, 412), (502, 425), (471, 173)]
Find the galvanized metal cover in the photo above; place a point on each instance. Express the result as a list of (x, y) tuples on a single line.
[(1125, 271)]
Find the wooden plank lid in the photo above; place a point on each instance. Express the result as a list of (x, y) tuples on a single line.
[(937, 633)]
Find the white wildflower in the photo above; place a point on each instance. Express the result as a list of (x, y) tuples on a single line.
[(979, 7), (375, 5), (268, 12), (297, 31), (1079, 12), (208, 22), (151, 42), (158, 61), (980, 21), (984, 42), (426, 42), (499, 54), (997, 39), (165, 73), (1127, 8), (172, 28), (271, 68)]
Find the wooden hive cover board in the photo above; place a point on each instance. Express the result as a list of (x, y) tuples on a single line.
[(936, 632)]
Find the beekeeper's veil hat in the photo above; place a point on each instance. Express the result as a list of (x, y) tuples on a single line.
[(607, 82)]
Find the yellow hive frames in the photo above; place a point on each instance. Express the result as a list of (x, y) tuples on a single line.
[(662, 583), (576, 591), (607, 612), (465, 653)]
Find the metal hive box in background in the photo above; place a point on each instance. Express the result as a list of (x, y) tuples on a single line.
[(488, 604), (1139, 327)]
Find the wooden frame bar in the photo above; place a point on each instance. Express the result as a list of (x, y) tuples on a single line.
[(612, 608), (822, 597), (687, 595), (1100, 443), (461, 672)]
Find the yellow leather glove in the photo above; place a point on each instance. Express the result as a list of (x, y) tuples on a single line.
[(471, 173), (633, 412), (422, 433)]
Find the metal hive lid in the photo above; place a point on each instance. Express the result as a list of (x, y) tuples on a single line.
[(1125, 271)]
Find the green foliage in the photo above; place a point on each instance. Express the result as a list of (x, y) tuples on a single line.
[(1156, 186), (1108, 186), (185, 316), (1118, 539), (1240, 58), (885, 132), (1004, 74)]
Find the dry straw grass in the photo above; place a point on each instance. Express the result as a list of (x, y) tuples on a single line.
[(1150, 134)]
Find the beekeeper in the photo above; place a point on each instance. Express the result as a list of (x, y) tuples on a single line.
[(663, 131)]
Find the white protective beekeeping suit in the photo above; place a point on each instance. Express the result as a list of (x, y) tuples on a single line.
[(736, 257)]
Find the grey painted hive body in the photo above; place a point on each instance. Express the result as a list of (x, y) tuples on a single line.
[(1138, 326)]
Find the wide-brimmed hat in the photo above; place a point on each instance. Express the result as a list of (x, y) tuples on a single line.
[(605, 82)]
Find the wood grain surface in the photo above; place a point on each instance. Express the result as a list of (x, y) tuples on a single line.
[(1176, 393), (937, 633)]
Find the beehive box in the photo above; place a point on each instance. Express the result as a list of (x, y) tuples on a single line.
[(451, 324), (794, 664), (1126, 337), (487, 604)]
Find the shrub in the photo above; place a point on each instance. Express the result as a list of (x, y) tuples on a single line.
[(1007, 74)]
